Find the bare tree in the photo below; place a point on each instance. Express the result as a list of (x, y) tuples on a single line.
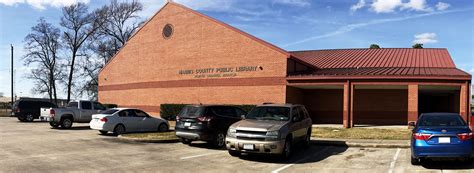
[(42, 46), (79, 25), (120, 22)]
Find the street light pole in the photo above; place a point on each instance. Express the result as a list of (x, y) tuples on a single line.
[(12, 77)]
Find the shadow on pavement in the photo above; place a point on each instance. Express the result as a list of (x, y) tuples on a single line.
[(301, 155), (76, 128), (34, 121), (447, 164), (204, 145)]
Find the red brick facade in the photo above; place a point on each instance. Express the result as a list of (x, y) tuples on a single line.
[(207, 61), (146, 71)]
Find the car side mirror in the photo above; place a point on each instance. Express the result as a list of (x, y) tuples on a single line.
[(411, 124), (242, 116), (295, 119)]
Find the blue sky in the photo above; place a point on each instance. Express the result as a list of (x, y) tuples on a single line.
[(289, 24)]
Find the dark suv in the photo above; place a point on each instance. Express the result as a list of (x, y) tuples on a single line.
[(206, 123), (28, 110)]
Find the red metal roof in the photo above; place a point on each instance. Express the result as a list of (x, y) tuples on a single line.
[(384, 57), (385, 62)]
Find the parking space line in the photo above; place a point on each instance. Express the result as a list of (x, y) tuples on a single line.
[(395, 157), (200, 155), (300, 160)]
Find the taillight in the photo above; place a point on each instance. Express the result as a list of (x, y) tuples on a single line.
[(204, 118), (465, 136), (178, 118), (421, 136), (52, 112), (103, 119)]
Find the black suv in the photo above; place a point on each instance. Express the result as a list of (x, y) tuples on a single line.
[(28, 110), (206, 123)]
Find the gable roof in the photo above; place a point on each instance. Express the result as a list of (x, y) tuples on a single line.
[(207, 17), (399, 63)]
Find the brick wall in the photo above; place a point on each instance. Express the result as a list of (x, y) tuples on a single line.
[(145, 73)]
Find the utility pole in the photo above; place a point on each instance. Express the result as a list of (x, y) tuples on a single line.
[(12, 77)]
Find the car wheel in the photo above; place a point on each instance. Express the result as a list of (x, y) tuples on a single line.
[(66, 123), (163, 127), (234, 153), (103, 132), (185, 141), (54, 124), (29, 117), (219, 140), (119, 129), (287, 149), (415, 161)]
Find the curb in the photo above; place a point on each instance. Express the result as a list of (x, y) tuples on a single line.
[(128, 139), (368, 144)]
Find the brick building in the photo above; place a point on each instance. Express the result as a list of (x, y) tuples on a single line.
[(183, 56)]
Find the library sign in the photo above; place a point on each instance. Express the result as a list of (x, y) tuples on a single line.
[(219, 72)]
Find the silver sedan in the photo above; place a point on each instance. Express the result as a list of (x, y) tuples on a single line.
[(124, 120)]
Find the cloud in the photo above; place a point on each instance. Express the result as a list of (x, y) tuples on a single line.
[(300, 3), (385, 6), (442, 6), (357, 6), (42, 4), (350, 27), (389, 6), (425, 38), (417, 5)]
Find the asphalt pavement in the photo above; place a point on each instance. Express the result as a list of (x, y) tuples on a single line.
[(35, 147)]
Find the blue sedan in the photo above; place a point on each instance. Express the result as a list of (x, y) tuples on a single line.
[(441, 135)]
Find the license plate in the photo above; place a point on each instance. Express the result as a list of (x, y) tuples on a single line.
[(187, 124), (248, 147), (444, 140)]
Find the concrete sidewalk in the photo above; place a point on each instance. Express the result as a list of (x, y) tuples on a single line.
[(372, 143)]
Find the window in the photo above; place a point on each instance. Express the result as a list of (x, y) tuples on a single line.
[(109, 112), (86, 105), (98, 106), (240, 112), (123, 113), (72, 105), (270, 113), (295, 114), (441, 120), (167, 31), (301, 112), (140, 113), (191, 111), (224, 111)]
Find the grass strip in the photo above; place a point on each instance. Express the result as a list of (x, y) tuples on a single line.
[(361, 133)]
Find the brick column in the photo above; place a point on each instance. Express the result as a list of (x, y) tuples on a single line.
[(412, 103), (346, 117), (464, 101)]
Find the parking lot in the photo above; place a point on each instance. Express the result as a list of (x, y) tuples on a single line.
[(35, 147)]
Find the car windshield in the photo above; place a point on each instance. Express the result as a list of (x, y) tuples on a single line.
[(109, 111), (192, 111), (441, 120), (72, 105), (269, 113)]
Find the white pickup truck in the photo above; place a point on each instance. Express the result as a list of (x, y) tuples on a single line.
[(76, 111)]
